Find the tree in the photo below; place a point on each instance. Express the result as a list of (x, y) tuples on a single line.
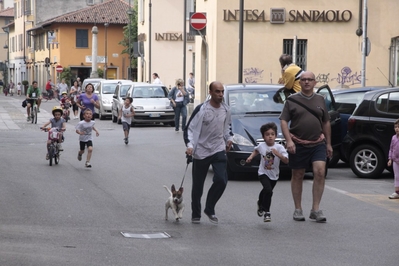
[(67, 75), (132, 36)]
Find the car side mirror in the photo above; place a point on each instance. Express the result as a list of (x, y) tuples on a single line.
[(114, 96)]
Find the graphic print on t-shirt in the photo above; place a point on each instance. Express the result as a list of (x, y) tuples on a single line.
[(269, 160)]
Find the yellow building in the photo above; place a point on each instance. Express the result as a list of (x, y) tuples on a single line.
[(67, 41), (321, 34)]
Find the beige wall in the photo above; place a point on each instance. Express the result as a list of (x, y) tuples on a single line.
[(166, 56), (333, 48)]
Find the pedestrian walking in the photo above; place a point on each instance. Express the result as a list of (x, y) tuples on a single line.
[(85, 128), (208, 137), (156, 78), (269, 168), (308, 142), (393, 159), (179, 98), (125, 115)]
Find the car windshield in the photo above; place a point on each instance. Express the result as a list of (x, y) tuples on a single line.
[(245, 102), (109, 88), (124, 89), (150, 92)]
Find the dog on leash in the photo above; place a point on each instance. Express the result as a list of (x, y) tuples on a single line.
[(174, 202)]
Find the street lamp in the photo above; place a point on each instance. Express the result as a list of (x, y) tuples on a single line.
[(106, 56)]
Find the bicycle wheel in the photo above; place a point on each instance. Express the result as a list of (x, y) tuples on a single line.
[(56, 156), (51, 150), (34, 114)]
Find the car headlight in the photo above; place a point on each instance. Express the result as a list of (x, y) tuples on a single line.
[(139, 107), (106, 101), (240, 140), (169, 107)]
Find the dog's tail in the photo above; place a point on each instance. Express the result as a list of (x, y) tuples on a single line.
[(167, 189)]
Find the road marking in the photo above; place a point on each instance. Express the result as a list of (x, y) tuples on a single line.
[(375, 199)]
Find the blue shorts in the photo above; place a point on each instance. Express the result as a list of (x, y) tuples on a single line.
[(305, 156)]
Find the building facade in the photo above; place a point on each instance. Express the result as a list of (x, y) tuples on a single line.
[(323, 36), (44, 36)]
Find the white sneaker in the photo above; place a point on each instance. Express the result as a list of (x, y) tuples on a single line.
[(394, 196)]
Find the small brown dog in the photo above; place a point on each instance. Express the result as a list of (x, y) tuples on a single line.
[(174, 202)]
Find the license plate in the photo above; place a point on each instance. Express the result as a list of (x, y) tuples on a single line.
[(154, 114)]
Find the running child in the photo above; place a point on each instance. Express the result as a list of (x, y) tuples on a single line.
[(393, 161), (269, 167), (125, 115), (85, 128), (56, 122)]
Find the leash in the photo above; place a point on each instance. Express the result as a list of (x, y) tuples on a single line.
[(189, 160)]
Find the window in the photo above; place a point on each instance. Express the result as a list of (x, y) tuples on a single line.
[(301, 51), (28, 7), (82, 38)]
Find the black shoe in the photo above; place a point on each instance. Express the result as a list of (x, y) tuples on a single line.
[(195, 220), (212, 218), (267, 217), (176, 129), (260, 211)]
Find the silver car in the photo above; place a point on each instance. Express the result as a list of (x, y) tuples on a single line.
[(151, 104), (105, 90)]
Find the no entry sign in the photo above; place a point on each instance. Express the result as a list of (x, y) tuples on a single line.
[(198, 21), (59, 68)]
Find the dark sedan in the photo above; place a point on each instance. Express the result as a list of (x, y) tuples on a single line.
[(251, 106)]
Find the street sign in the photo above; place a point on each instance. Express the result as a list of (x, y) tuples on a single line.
[(59, 68), (198, 21)]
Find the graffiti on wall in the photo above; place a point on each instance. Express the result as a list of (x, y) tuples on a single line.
[(323, 78), (348, 77), (253, 75)]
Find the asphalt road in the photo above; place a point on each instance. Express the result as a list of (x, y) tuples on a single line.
[(70, 215)]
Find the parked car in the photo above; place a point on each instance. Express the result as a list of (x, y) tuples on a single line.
[(105, 89), (251, 106), (370, 129), (346, 101), (119, 98), (93, 81), (151, 104)]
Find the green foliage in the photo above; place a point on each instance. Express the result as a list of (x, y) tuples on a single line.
[(67, 75), (132, 35), (100, 73)]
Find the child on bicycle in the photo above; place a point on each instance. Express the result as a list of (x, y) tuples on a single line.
[(125, 115), (33, 92), (85, 128), (56, 122), (65, 104)]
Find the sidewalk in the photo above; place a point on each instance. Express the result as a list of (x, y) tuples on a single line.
[(13, 115)]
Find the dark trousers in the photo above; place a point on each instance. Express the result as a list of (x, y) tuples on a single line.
[(180, 109), (265, 195), (200, 170)]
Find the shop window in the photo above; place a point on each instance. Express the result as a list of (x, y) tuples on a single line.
[(301, 51), (82, 38)]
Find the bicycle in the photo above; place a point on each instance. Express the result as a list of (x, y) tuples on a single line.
[(53, 151), (46, 97), (33, 111)]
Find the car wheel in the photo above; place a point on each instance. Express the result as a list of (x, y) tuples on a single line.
[(367, 161), (100, 116), (119, 121), (335, 158), (172, 124), (114, 118)]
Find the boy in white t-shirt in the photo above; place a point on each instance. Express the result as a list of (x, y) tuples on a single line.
[(85, 128), (268, 173), (125, 115)]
